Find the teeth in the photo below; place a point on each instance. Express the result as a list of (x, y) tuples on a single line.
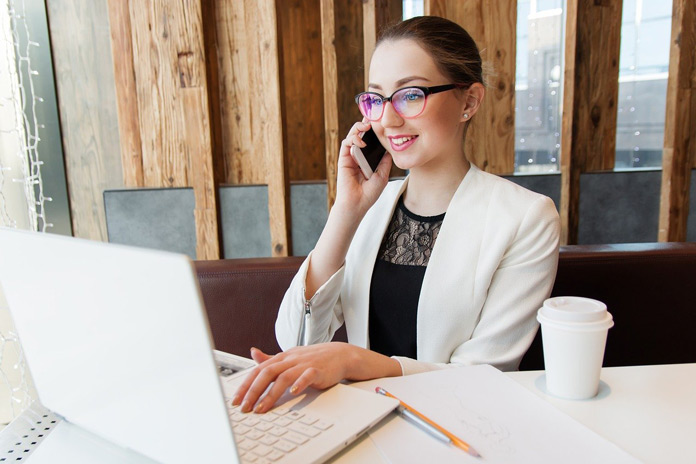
[(401, 140)]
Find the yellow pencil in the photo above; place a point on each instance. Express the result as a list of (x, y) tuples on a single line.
[(429, 425)]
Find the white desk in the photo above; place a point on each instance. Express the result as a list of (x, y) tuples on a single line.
[(648, 411)]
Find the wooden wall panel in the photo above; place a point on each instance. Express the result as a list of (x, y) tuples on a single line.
[(87, 107), (376, 15), (588, 138), (679, 154), (124, 77), (172, 94), (250, 99), (490, 143), (302, 82), (343, 62)]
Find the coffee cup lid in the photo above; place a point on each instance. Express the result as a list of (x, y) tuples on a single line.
[(574, 309)]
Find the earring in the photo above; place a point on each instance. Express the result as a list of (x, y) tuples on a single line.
[(466, 115)]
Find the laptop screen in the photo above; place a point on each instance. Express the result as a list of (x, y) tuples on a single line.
[(117, 342)]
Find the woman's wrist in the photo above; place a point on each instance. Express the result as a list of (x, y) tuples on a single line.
[(363, 364)]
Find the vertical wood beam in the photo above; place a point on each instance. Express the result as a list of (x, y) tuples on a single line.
[(490, 142), (172, 94), (251, 108), (127, 104), (590, 93), (376, 15), (87, 109), (343, 60), (267, 125), (301, 78), (679, 153)]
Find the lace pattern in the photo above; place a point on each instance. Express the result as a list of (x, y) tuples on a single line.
[(410, 238)]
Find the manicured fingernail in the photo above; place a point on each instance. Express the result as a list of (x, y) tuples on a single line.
[(246, 407), (259, 407), (294, 389), (236, 400)]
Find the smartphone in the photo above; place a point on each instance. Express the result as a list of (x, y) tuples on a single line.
[(368, 157)]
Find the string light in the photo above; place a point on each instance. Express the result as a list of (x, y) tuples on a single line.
[(23, 101)]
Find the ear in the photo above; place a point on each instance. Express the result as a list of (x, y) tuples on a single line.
[(472, 101)]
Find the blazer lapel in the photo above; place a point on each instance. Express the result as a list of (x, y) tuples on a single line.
[(446, 303), (363, 253)]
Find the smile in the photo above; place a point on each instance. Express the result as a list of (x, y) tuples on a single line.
[(401, 142)]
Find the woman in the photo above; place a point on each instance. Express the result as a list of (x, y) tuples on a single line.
[(444, 268)]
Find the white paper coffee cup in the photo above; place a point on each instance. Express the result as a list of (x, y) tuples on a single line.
[(574, 334)]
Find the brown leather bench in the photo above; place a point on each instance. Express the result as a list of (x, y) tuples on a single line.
[(650, 289)]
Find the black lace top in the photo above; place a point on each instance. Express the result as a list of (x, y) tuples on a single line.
[(396, 281)]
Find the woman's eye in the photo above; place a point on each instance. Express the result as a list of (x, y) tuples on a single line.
[(412, 96)]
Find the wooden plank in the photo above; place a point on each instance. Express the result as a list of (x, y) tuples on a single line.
[(376, 15), (238, 150), (679, 153), (267, 129), (197, 150), (175, 128), (490, 142), (213, 80), (251, 109), (156, 30), (127, 105), (342, 53), (590, 93), (301, 77), (87, 107), (330, 73)]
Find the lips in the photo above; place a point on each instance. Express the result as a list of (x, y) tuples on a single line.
[(401, 142)]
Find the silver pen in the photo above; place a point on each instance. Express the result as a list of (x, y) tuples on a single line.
[(428, 425)]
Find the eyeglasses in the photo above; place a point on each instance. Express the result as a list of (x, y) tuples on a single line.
[(409, 102)]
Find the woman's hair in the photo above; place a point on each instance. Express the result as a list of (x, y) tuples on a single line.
[(454, 51)]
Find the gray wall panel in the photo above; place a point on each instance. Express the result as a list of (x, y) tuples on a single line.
[(152, 218), (619, 207), (309, 214), (245, 221), (546, 184)]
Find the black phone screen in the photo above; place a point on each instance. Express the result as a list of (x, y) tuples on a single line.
[(373, 151)]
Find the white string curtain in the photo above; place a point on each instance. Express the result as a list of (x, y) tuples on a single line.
[(21, 188)]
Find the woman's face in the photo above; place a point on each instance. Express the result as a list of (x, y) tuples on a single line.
[(433, 138)]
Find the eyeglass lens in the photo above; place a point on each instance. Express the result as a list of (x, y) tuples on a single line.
[(408, 102)]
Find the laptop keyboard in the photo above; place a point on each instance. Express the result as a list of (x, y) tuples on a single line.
[(268, 438)]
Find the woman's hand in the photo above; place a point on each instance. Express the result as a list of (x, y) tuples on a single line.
[(353, 191), (318, 366), (354, 196)]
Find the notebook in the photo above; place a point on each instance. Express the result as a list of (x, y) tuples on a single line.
[(118, 344)]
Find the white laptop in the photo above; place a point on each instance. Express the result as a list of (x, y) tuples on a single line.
[(118, 344)]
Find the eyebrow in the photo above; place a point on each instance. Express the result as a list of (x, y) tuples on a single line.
[(401, 82)]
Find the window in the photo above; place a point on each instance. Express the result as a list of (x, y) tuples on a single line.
[(643, 67), (538, 87)]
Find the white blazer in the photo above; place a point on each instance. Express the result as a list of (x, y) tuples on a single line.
[(492, 266)]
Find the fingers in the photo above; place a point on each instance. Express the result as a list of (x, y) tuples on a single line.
[(384, 166), (319, 366), (287, 379), (259, 356), (278, 373), (241, 392), (353, 137), (308, 378)]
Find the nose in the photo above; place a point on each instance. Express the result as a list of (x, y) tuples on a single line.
[(390, 118)]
